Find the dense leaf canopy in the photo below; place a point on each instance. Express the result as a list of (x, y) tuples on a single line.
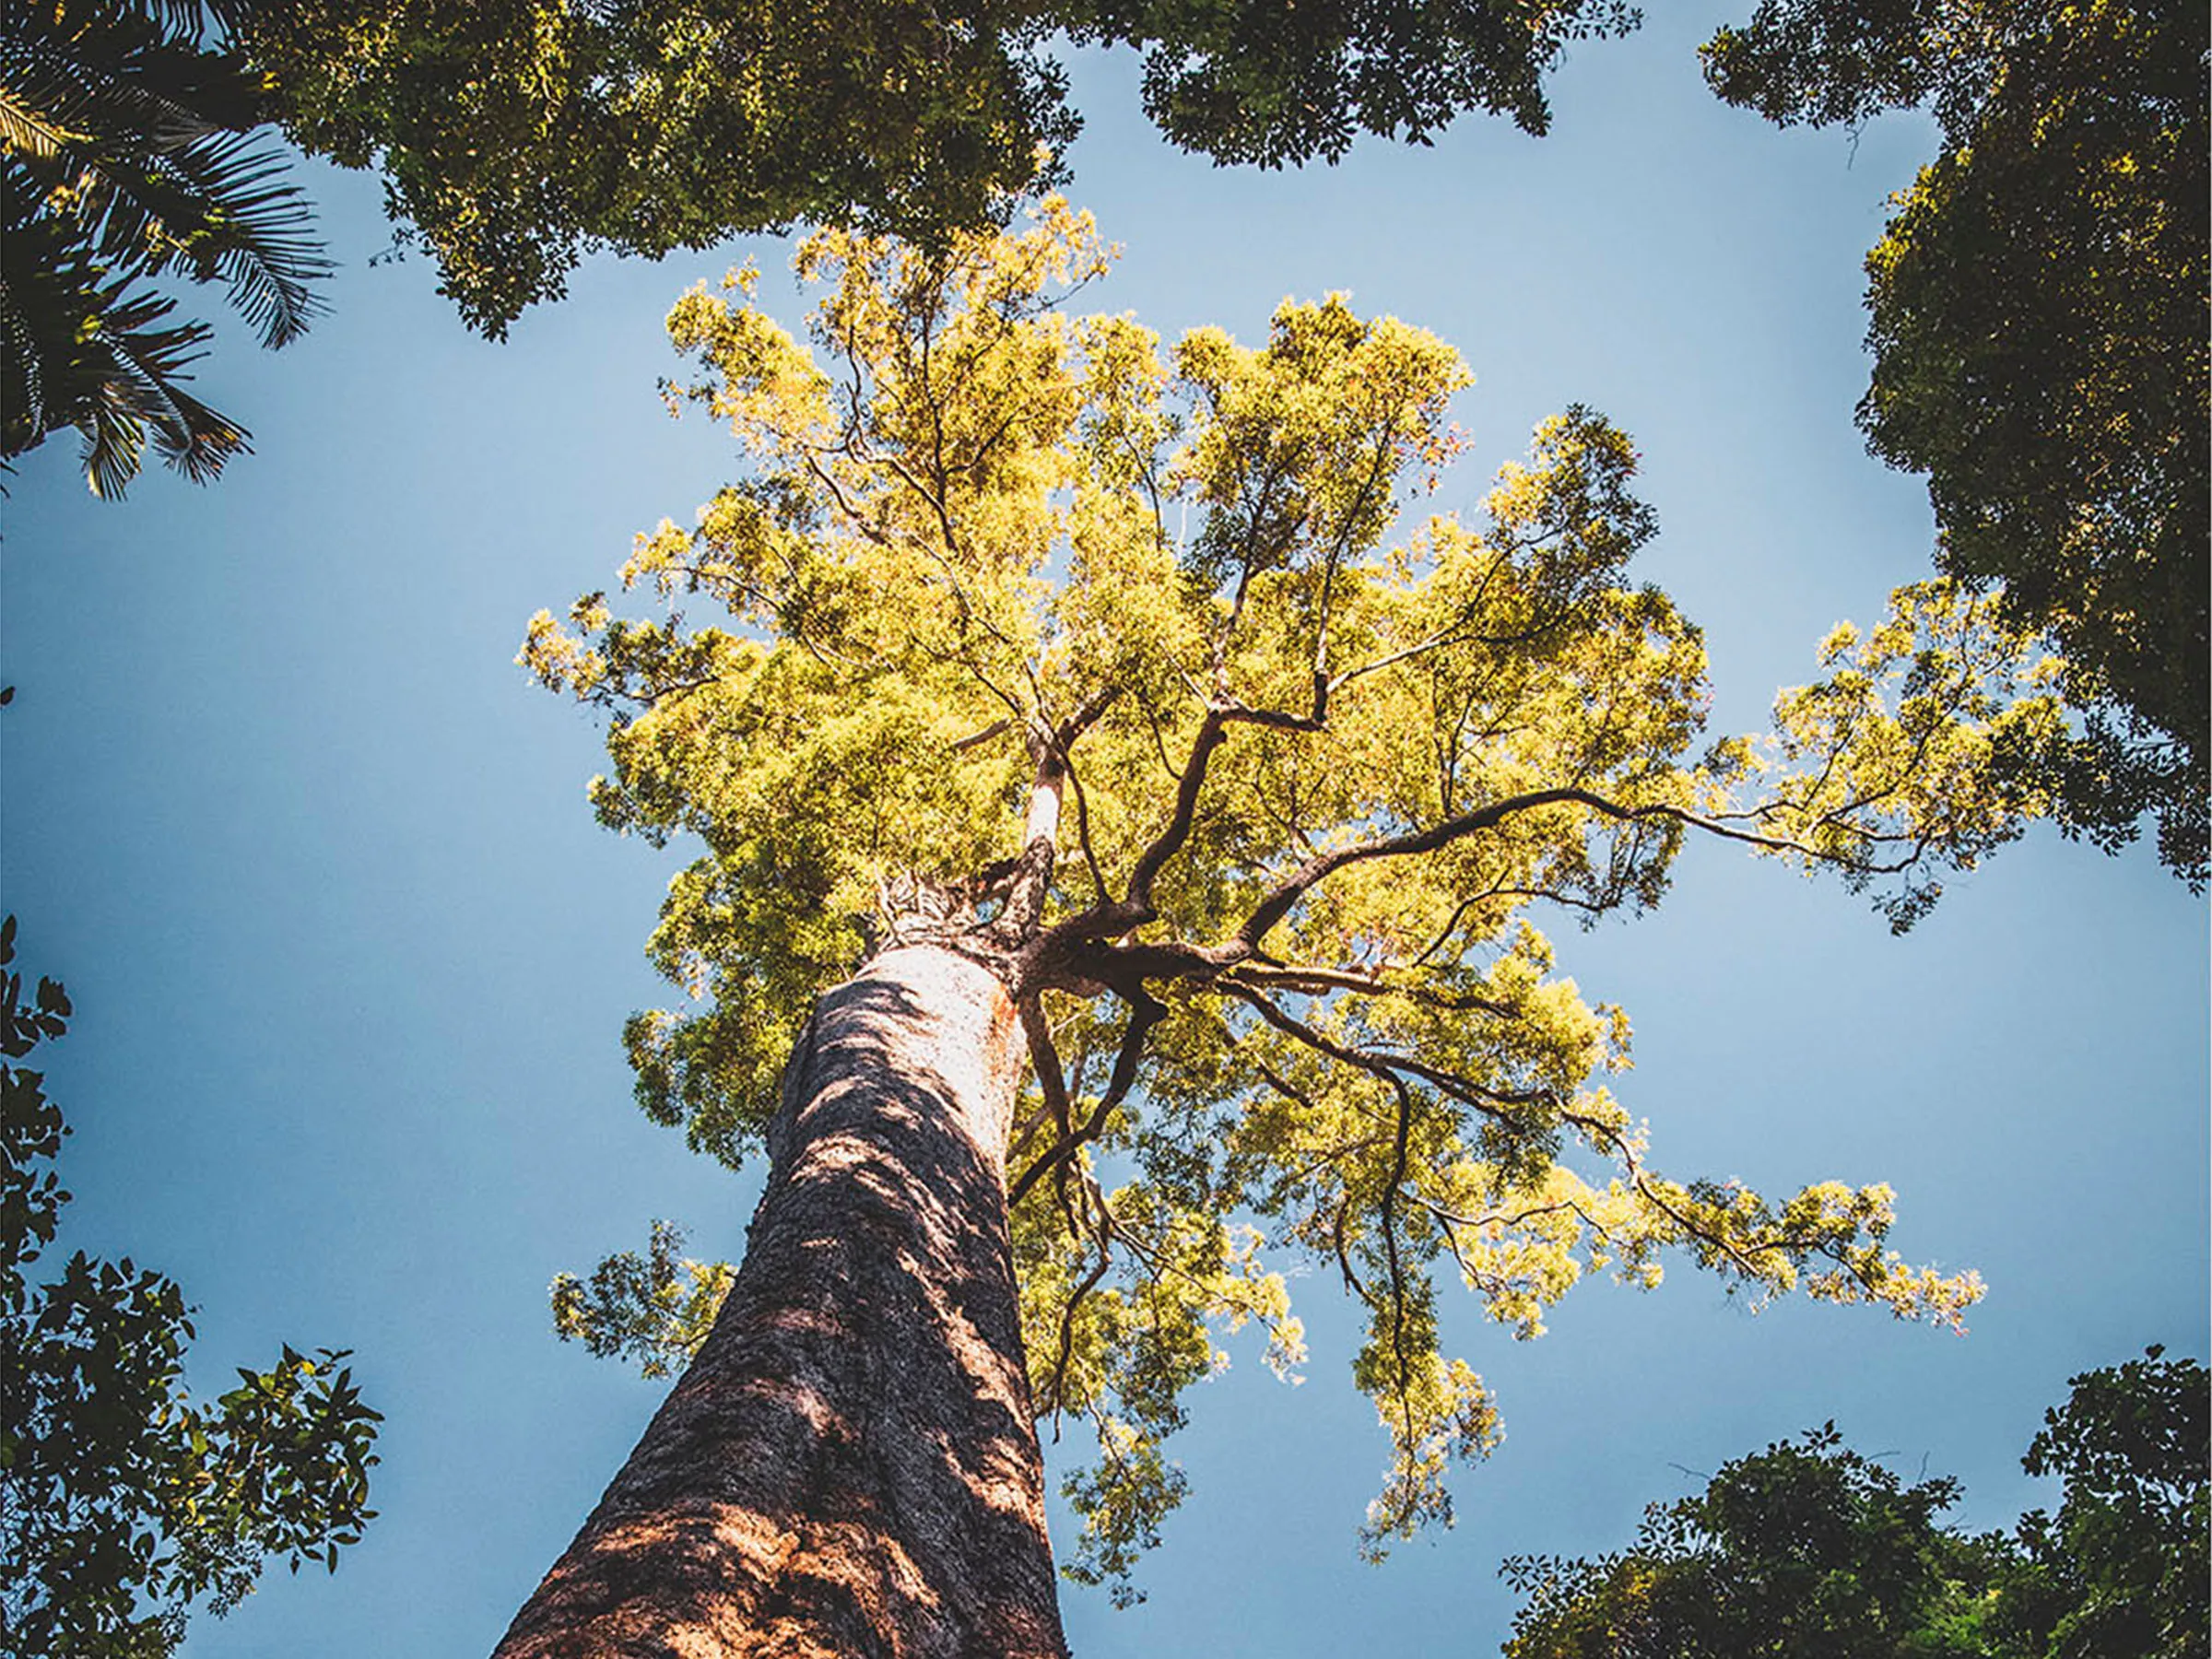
[(123, 1500), (126, 155), (1808, 1549), (2126, 1566), (517, 134), (2040, 310), (1111, 666)]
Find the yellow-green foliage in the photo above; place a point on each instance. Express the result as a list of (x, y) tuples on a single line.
[(1286, 998)]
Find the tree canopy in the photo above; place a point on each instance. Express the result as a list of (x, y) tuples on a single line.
[(515, 137), (1109, 665), (2039, 308), (2125, 1564), (1808, 1548), (128, 154), (123, 1500)]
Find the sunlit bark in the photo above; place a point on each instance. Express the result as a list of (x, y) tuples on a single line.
[(850, 1467)]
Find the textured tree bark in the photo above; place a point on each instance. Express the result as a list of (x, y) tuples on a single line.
[(850, 1467)]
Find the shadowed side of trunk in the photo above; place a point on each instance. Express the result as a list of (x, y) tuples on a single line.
[(850, 1467)]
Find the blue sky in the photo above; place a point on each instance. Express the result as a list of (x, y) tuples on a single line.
[(350, 957)]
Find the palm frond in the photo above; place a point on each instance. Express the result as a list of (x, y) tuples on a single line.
[(113, 73), (127, 151), (140, 398), (225, 210), (114, 442), (22, 376), (81, 347), (28, 127), (48, 293)]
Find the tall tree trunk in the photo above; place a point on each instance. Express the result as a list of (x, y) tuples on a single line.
[(850, 1467)]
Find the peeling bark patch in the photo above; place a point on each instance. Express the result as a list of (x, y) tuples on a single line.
[(849, 1467)]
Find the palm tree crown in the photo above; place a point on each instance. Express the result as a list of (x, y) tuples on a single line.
[(126, 153)]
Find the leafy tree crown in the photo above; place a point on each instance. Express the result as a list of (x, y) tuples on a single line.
[(1810, 1549), (2039, 307), (1112, 666), (516, 134), (124, 1501), (128, 155)]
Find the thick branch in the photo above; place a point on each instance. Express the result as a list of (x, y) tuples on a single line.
[(1171, 839), (1298, 978), (1278, 903), (1041, 831), (1044, 1059), (1390, 1255), (977, 739), (1143, 1013)]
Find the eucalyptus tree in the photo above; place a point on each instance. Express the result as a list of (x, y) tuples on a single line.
[(1120, 845)]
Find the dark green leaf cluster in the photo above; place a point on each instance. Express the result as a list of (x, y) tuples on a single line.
[(1256, 81), (1806, 1550), (2039, 320), (126, 155), (515, 135), (1809, 1550), (2123, 1568), (122, 1501), (30, 1124)]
